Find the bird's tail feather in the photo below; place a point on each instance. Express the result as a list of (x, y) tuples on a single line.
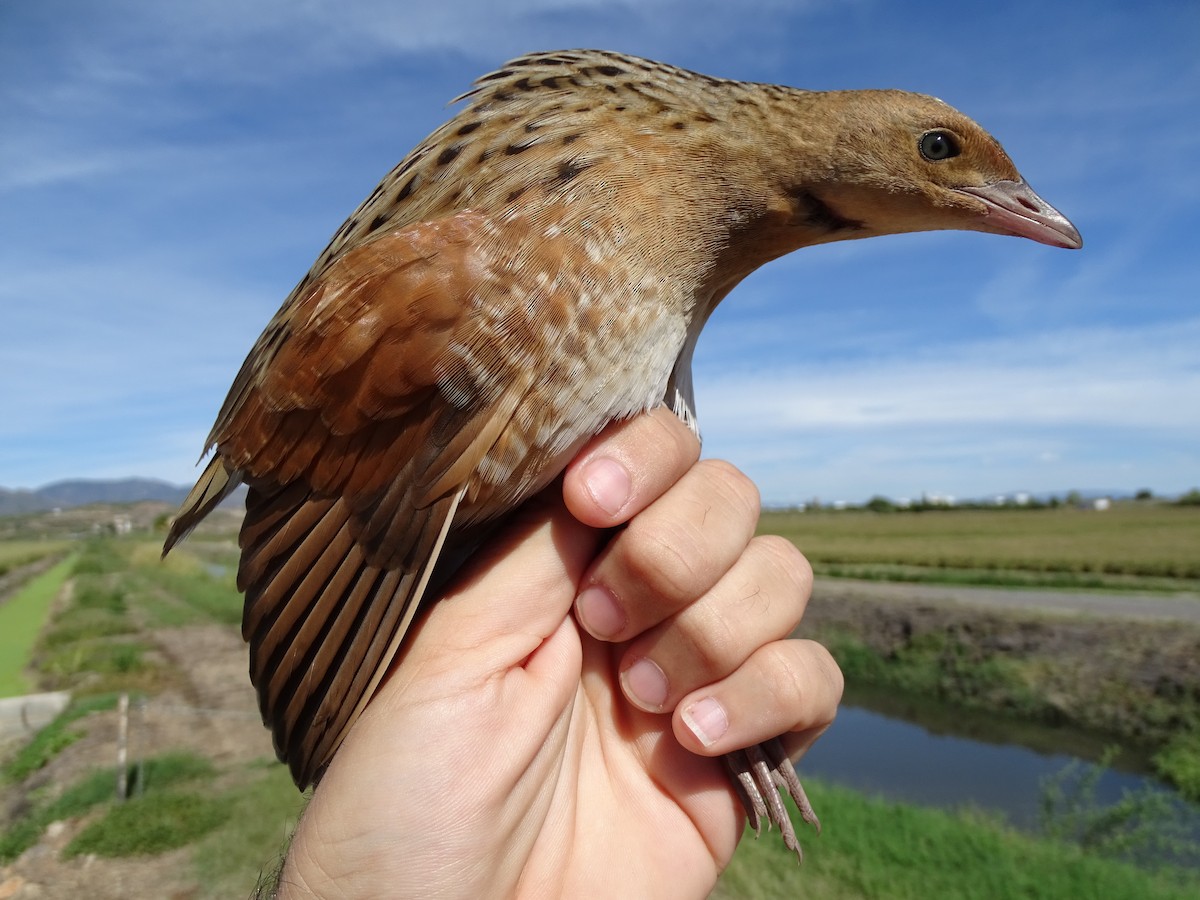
[(216, 483)]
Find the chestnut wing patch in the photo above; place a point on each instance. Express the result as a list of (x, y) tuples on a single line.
[(359, 422)]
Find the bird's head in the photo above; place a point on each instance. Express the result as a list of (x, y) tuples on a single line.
[(900, 162)]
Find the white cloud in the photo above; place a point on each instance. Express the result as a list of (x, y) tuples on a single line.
[(1078, 407), (1141, 377)]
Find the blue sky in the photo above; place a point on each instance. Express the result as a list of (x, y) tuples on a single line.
[(169, 170)]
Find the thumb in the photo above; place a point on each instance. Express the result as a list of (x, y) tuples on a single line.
[(516, 590)]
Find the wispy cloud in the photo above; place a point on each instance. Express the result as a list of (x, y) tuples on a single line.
[(169, 170), (1093, 407), (1135, 378)]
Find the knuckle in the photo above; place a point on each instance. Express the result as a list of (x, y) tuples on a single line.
[(734, 486), (786, 559), (828, 668), (681, 439), (790, 681), (813, 676), (712, 649), (806, 680), (665, 560)]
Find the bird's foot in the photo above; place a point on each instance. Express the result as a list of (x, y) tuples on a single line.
[(759, 774)]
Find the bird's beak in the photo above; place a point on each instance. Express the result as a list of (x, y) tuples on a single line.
[(1014, 208)]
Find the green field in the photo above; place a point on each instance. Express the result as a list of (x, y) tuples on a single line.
[(21, 618), (101, 643), (1131, 545), (19, 553)]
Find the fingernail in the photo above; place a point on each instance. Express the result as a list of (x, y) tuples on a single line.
[(598, 612), (707, 720), (608, 483), (645, 684)]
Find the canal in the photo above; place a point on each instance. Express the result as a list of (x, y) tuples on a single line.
[(931, 756)]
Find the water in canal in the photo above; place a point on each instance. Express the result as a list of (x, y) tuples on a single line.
[(928, 755)]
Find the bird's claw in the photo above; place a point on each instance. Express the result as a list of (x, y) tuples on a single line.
[(760, 774)]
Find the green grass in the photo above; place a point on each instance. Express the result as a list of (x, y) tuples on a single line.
[(151, 824), (101, 557), (1179, 762), (92, 644), (872, 848), (263, 812), (941, 666), (93, 789), (161, 817), (1005, 578), (1130, 545), (236, 831), (14, 554), (21, 618), (208, 597), (55, 737), (195, 584)]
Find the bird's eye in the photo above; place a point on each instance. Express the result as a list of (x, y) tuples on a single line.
[(936, 145)]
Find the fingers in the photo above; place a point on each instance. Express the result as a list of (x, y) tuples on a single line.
[(759, 601), (671, 553), (628, 466), (785, 686), (704, 605), (522, 581)]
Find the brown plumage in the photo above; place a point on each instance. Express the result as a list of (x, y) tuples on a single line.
[(540, 266)]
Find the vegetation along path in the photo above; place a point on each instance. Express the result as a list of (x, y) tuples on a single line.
[(1149, 606)]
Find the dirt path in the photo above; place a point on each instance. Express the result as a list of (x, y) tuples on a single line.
[(212, 713), (1145, 606)]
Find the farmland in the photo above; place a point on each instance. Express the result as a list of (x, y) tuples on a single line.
[(1131, 545), (167, 633), (14, 554)]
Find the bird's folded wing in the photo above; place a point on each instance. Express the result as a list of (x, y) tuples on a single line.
[(359, 422)]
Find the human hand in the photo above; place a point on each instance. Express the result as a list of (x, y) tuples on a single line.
[(510, 754)]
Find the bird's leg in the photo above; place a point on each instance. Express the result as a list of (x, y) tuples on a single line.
[(758, 774), (738, 767)]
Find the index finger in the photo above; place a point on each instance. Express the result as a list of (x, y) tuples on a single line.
[(627, 467)]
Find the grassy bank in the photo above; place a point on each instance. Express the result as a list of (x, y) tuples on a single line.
[(871, 848), (96, 643), (21, 618), (1136, 682), (123, 597), (235, 831), (14, 554), (231, 815), (1143, 546), (236, 822)]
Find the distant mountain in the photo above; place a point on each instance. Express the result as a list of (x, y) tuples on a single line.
[(82, 491)]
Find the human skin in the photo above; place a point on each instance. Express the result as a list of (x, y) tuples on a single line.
[(524, 747)]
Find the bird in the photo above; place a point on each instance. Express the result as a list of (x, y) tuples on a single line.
[(539, 267)]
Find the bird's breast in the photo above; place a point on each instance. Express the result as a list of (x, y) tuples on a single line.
[(572, 331)]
